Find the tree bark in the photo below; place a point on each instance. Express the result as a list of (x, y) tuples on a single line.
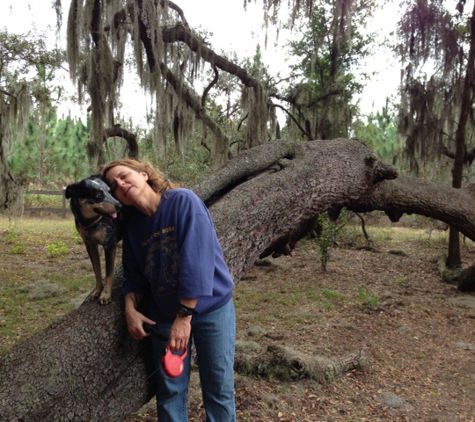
[(85, 367), (286, 363), (454, 259), (129, 137)]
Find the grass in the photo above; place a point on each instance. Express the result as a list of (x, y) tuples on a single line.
[(42, 200), (367, 299), (45, 253)]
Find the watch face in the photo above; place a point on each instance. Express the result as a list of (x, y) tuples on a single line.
[(183, 311)]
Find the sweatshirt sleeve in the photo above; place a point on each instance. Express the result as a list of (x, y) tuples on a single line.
[(133, 279), (197, 243)]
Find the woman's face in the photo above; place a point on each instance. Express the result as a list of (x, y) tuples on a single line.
[(127, 185)]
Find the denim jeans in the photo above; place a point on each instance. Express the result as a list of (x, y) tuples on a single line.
[(213, 335)]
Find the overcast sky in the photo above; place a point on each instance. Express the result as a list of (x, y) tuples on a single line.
[(234, 30)]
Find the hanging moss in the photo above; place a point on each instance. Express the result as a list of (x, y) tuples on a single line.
[(431, 96), (100, 31)]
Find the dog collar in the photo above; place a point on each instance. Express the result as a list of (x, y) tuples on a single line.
[(93, 223)]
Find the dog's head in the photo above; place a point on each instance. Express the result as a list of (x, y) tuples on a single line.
[(91, 197)]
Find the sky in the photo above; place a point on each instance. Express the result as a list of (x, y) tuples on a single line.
[(233, 29)]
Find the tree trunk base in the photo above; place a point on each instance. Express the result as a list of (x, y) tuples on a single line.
[(446, 274), (465, 279)]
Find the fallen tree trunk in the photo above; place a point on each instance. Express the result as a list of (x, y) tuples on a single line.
[(85, 367), (287, 364)]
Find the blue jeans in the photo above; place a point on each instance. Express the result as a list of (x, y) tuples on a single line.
[(213, 335)]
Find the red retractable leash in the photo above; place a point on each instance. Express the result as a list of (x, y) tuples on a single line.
[(173, 365)]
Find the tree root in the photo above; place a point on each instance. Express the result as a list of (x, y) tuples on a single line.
[(286, 363), (465, 279)]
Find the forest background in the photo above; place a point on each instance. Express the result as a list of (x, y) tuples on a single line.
[(204, 105), (52, 150)]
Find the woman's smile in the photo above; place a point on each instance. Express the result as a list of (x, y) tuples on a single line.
[(131, 188)]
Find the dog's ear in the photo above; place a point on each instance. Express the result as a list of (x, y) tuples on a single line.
[(68, 192), (71, 189)]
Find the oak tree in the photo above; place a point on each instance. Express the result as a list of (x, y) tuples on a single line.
[(85, 367)]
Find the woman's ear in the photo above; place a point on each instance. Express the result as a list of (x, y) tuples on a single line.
[(145, 175)]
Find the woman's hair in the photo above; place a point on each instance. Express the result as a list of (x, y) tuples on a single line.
[(156, 179)]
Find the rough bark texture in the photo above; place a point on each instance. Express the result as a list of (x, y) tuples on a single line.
[(287, 363), (85, 367)]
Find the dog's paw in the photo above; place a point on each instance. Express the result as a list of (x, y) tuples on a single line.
[(105, 298), (96, 292)]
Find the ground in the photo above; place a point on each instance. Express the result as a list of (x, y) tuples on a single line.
[(416, 332)]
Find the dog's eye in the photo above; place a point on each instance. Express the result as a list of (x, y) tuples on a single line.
[(99, 195)]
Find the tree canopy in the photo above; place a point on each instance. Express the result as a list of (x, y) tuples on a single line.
[(19, 87), (169, 57)]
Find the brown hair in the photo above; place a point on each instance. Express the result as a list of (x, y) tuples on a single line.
[(156, 179)]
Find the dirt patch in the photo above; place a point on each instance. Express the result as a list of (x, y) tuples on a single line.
[(418, 334)]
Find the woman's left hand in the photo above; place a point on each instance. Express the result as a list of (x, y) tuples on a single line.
[(180, 333)]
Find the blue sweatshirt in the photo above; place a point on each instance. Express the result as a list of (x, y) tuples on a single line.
[(175, 254)]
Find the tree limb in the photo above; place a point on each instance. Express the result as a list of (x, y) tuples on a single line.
[(178, 32), (129, 137), (287, 363)]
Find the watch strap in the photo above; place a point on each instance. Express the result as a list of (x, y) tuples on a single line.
[(185, 311)]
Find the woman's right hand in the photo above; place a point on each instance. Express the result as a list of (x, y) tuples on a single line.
[(134, 318), (135, 321)]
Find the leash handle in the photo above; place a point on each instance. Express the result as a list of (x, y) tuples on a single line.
[(172, 364), (150, 329)]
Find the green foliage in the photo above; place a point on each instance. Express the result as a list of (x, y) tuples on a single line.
[(332, 294), (56, 249), (13, 238), (18, 248), (75, 237), (323, 82), (65, 160), (369, 301), (27, 65), (326, 238), (433, 44), (63, 151), (380, 132), (186, 171), (330, 297), (22, 52), (38, 200)]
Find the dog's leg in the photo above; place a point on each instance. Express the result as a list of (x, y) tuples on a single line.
[(93, 252), (109, 253)]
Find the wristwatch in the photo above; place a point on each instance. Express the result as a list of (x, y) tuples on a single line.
[(185, 311)]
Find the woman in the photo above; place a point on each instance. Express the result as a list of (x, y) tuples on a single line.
[(171, 254)]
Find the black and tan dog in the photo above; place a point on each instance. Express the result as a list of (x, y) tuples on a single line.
[(96, 216)]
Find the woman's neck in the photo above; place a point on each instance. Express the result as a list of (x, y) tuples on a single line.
[(150, 203)]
